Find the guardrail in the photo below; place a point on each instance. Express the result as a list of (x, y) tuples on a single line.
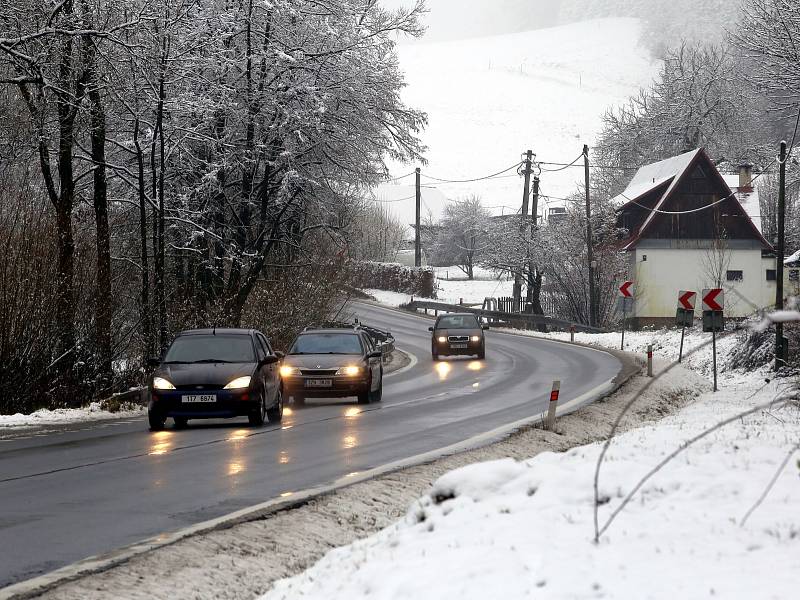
[(384, 339), (508, 318)]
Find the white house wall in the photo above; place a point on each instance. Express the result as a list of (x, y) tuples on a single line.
[(666, 271)]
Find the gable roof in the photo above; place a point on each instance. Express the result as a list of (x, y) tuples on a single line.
[(669, 174), (649, 177)]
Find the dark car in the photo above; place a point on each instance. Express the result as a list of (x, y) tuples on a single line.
[(458, 334), (333, 363), (216, 373)]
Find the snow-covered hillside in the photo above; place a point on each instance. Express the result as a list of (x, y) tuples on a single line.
[(489, 99)]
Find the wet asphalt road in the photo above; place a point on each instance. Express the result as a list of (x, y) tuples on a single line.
[(82, 490)]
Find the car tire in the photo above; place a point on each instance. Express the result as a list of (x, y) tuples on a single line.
[(180, 422), (258, 418), (482, 353), (377, 395), (155, 420), (365, 397), (298, 400), (275, 414), (434, 355)]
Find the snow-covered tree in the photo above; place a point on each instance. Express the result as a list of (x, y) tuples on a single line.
[(461, 235)]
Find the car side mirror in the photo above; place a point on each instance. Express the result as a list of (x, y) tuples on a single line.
[(430, 328), (269, 360), (280, 355), (153, 362), (376, 354), (485, 327)]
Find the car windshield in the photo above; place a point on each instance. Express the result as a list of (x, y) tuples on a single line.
[(327, 343), (458, 322), (211, 348)]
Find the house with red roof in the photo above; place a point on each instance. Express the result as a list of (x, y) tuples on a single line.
[(688, 227)]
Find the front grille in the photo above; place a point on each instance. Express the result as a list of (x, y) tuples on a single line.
[(196, 388), (458, 338), (318, 372)]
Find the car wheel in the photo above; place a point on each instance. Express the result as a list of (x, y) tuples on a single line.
[(180, 422), (482, 353), (365, 396), (257, 418), (434, 354), (377, 395), (156, 420), (275, 414)]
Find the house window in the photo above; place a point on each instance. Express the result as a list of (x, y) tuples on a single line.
[(772, 275), (735, 275), (794, 274)]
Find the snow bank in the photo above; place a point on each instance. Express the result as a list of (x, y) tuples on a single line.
[(508, 529), (93, 412)]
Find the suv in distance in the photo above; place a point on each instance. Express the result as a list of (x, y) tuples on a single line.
[(458, 334), (333, 363)]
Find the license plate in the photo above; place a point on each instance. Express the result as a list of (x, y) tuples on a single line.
[(458, 346), (199, 398), (319, 383)]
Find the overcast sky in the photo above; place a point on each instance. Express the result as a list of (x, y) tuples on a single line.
[(455, 19)]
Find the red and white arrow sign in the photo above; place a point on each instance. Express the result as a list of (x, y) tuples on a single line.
[(686, 300), (626, 289), (713, 299)]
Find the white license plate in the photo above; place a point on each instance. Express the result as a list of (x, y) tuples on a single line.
[(458, 346), (199, 398), (319, 383)]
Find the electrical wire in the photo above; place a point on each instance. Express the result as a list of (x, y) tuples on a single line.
[(562, 167), (492, 176), (400, 177)]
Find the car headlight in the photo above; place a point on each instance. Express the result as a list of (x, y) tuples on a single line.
[(160, 383), (239, 383), (350, 371), (287, 371), (476, 338), (442, 339)]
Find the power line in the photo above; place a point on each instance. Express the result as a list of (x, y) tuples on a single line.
[(561, 166), (492, 176), (400, 177)]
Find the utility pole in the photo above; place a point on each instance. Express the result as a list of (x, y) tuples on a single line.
[(534, 215), (525, 196), (593, 317), (417, 238), (779, 357)]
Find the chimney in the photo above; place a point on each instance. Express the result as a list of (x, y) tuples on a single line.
[(746, 178)]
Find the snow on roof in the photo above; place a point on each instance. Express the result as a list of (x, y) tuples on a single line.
[(649, 177), (749, 200), (794, 258)]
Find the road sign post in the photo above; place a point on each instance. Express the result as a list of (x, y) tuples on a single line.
[(626, 291), (685, 316), (714, 319), (551, 411)]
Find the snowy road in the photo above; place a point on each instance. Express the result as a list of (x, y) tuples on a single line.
[(78, 492)]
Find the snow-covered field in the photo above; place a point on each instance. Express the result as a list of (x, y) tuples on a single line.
[(515, 529), (490, 99), (453, 286), (41, 417)]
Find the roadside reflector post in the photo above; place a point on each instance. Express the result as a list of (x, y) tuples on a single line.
[(572, 333), (551, 411), (460, 301), (649, 360)]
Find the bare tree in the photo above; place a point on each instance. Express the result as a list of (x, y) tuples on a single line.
[(462, 235)]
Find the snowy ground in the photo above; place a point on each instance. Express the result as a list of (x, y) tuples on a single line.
[(513, 528), (42, 417), (453, 286)]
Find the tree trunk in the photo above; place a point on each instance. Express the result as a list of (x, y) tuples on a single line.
[(103, 300), (146, 315)]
